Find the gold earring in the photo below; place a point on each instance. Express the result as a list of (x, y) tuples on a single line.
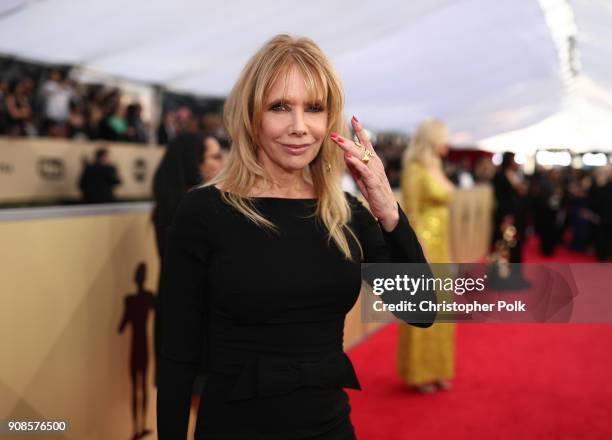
[(328, 167)]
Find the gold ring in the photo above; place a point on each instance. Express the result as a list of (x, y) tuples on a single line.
[(367, 153)]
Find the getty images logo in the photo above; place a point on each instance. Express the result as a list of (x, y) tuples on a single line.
[(51, 168)]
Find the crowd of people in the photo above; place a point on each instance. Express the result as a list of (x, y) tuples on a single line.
[(562, 206), (36, 100), (58, 106), (573, 207)]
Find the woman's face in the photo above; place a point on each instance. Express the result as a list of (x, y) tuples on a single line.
[(442, 147), (213, 159), (292, 126)]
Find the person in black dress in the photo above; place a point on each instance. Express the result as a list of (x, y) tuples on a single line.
[(263, 263), (178, 171), (189, 160)]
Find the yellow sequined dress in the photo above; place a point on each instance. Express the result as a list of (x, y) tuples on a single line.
[(427, 355)]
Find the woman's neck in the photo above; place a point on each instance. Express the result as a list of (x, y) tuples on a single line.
[(292, 188)]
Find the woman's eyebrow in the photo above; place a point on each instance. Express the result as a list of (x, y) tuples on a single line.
[(291, 101), (284, 99)]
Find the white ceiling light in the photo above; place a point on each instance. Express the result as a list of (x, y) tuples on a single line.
[(594, 159), (553, 158)]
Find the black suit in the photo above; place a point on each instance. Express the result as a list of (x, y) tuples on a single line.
[(509, 202), (97, 183)]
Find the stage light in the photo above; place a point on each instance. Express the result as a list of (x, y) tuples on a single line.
[(594, 159), (497, 159), (553, 158)]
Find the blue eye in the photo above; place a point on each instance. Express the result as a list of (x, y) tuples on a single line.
[(315, 108), (278, 107)]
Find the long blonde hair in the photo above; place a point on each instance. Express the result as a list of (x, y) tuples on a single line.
[(427, 137), (242, 117)]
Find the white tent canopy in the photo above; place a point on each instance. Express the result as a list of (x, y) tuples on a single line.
[(580, 126), (485, 67)]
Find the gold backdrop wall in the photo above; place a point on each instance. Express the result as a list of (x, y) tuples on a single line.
[(470, 224), (64, 281)]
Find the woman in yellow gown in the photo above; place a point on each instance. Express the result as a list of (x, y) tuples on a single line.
[(426, 356)]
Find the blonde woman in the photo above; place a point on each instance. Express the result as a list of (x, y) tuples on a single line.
[(263, 263), (426, 356)]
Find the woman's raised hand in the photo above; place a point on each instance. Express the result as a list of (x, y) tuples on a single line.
[(369, 173)]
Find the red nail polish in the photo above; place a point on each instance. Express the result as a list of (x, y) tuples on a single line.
[(355, 118), (340, 140), (333, 134)]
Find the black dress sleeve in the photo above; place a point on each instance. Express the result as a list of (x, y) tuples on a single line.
[(379, 246), (397, 246), (182, 313)]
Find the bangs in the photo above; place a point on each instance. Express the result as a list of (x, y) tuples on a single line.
[(314, 80)]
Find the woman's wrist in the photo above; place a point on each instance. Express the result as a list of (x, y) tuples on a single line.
[(390, 220)]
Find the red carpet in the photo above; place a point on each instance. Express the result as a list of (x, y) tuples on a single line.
[(513, 381), (536, 381), (561, 254)]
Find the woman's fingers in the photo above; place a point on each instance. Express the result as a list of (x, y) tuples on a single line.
[(365, 174), (351, 147), (352, 170), (347, 145), (357, 178), (369, 176), (363, 137)]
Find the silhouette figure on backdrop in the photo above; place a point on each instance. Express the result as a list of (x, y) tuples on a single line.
[(136, 313), (99, 179)]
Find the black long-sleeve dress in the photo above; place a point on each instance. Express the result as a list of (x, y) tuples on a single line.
[(177, 173), (262, 314)]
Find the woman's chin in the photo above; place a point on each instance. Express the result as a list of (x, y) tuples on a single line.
[(295, 163)]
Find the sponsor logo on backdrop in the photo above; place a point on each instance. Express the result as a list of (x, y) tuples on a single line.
[(6, 168), (140, 170), (51, 168)]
